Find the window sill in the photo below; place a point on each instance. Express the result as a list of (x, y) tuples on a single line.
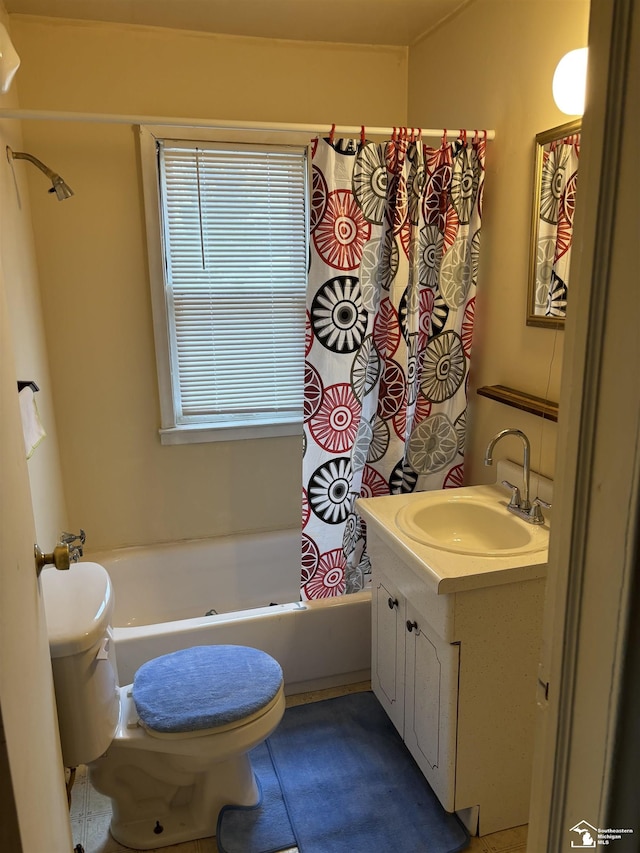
[(201, 434)]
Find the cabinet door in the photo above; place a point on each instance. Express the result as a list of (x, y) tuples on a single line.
[(387, 652), (431, 705)]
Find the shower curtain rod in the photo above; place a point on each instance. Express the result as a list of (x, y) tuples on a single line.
[(348, 130)]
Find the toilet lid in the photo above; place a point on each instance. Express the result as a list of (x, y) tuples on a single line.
[(204, 687)]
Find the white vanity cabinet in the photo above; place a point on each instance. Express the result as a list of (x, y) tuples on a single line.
[(388, 627), (414, 674), (456, 674)]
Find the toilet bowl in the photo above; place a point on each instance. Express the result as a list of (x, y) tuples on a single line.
[(170, 749)]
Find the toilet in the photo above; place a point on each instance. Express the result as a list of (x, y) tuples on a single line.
[(170, 749)]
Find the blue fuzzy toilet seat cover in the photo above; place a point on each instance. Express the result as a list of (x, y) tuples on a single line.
[(204, 687)]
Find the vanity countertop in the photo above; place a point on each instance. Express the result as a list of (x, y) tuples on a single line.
[(446, 571)]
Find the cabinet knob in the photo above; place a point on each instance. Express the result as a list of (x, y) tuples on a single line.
[(411, 626), (392, 602)]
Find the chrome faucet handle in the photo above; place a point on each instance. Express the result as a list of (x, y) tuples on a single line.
[(69, 538), (75, 552), (535, 513), (515, 501)]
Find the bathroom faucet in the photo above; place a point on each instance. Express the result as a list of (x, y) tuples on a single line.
[(69, 539), (521, 506)]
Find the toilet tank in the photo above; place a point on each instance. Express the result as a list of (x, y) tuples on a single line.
[(78, 607)]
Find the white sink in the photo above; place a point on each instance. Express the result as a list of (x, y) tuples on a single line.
[(469, 524)]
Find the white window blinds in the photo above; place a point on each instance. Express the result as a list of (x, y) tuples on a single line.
[(235, 246)]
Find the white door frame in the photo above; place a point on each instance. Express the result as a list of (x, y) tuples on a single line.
[(35, 818), (597, 480), (593, 556)]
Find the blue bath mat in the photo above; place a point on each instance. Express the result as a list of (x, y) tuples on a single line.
[(264, 828), (349, 785)]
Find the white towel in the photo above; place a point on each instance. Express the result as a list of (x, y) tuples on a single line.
[(32, 428)]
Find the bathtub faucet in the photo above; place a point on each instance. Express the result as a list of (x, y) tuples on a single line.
[(75, 551), (520, 505)]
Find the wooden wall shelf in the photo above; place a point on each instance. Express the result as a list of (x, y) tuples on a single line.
[(519, 400)]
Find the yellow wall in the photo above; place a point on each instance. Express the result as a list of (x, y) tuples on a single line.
[(19, 280), (492, 66), (121, 484), (489, 66)]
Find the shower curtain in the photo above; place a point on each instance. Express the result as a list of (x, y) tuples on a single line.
[(395, 232), (555, 225)]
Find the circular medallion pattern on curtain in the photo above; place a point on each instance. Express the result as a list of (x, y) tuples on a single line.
[(360, 451), (380, 262), (340, 236), (335, 423), (365, 368), (566, 210), (403, 479), (329, 490), (386, 329), (464, 184), (557, 297), (467, 326), (391, 305), (313, 391), (444, 367), (455, 273), (455, 478), (374, 484), (328, 578), (431, 250), (552, 183), (380, 438), (433, 444), (338, 317), (319, 197), (555, 225), (310, 558), (393, 387), (370, 183)]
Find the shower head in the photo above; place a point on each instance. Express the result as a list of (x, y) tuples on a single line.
[(58, 186)]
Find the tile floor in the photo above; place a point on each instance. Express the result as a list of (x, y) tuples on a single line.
[(91, 812)]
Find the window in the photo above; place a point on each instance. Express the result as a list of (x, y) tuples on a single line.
[(227, 233)]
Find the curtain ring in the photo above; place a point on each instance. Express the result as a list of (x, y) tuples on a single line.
[(476, 137), (463, 134), (393, 135), (362, 135), (444, 137), (485, 136), (332, 134)]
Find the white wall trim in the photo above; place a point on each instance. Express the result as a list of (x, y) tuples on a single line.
[(598, 475)]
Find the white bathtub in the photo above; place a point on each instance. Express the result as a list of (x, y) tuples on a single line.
[(162, 593)]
